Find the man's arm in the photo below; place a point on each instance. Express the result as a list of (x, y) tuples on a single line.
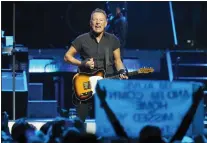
[(117, 59), (69, 56), (119, 65)]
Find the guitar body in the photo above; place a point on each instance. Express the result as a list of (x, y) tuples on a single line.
[(82, 86)]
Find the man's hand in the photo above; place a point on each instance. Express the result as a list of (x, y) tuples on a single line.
[(90, 63), (123, 76)]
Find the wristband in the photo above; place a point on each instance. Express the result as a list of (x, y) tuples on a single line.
[(83, 63), (123, 71)]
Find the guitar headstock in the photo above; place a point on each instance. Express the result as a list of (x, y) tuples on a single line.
[(146, 70)]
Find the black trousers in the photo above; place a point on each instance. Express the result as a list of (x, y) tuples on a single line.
[(85, 109)]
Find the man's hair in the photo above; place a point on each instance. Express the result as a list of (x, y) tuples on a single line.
[(99, 11)]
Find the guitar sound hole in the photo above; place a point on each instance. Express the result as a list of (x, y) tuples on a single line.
[(86, 85)]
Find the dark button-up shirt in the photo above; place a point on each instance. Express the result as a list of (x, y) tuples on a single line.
[(88, 47)]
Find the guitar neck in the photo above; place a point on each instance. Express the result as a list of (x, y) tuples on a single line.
[(129, 74)]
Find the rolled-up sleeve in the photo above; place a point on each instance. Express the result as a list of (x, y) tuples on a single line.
[(77, 43), (116, 42)]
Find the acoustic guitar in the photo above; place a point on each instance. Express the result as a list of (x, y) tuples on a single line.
[(84, 88)]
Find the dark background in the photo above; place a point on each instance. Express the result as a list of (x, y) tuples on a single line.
[(56, 24)]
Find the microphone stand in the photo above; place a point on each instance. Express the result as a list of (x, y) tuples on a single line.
[(13, 66)]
